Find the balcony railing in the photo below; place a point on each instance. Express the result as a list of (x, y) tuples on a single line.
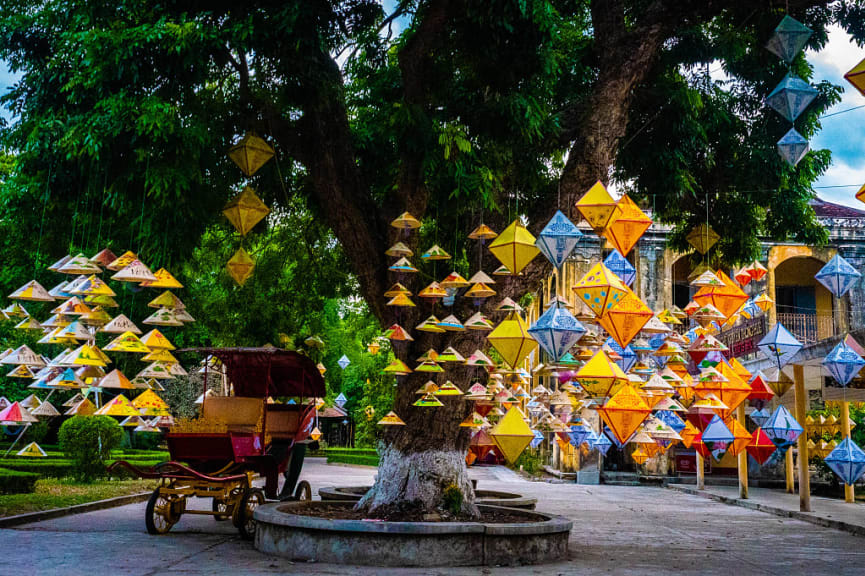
[(808, 328)]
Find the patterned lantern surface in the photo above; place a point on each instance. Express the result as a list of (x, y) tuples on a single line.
[(558, 239), (779, 345), (556, 331), (847, 461), (843, 363), (838, 276)]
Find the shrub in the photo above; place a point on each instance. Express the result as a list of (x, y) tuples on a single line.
[(88, 442), (453, 499), (15, 482)]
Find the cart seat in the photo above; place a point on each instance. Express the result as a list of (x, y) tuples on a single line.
[(283, 421), (241, 414)]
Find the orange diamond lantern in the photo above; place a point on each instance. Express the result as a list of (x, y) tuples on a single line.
[(741, 436), (627, 225), (245, 210), (251, 153), (240, 266), (624, 413), (625, 320), (688, 433), (727, 298)]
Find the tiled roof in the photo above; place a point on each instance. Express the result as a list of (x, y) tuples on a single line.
[(825, 209)]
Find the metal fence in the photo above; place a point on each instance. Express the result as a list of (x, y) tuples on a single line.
[(808, 328)]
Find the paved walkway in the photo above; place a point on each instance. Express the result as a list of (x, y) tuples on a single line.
[(618, 530), (829, 512)]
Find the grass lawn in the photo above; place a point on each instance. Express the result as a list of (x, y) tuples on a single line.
[(59, 493)]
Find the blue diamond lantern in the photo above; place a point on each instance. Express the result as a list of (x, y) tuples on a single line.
[(671, 419), (558, 239), (578, 434), (792, 147), (619, 265), (791, 96), (843, 363), (781, 428), (557, 330), (760, 417), (838, 276), (629, 357), (788, 39), (343, 362), (602, 444), (779, 345), (537, 439), (847, 461), (717, 437)]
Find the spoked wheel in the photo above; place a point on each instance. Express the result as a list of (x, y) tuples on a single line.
[(243, 513), (162, 512), (303, 491)]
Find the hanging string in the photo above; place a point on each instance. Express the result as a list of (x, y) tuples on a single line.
[(45, 197), (102, 210), (74, 220), (143, 201)]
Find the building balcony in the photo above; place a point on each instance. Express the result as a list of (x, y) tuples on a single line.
[(808, 328)]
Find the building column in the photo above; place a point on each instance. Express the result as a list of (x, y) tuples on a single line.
[(804, 475)]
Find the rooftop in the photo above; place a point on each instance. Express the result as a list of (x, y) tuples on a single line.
[(825, 209)]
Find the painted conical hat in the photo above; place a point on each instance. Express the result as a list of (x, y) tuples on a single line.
[(119, 325), (103, 257), (23, 355), (92, 286), (46, 410), (122, 261), (79, 264), (32, 450), (116, 379), (33, 291), (136, 271), (164, 279), (155, 340), (162, 317), (166, 300), (127, 342)]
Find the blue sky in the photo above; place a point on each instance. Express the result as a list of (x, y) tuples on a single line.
[(843, 134)]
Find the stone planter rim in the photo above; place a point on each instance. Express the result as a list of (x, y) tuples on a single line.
[(546, 524)]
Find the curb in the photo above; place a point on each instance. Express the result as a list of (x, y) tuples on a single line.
[(751, 505), (30, 517)]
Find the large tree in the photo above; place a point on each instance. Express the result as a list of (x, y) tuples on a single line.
[(454, 111)]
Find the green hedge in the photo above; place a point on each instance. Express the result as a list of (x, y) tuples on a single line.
[(369, 458), (48, 468), (17, 482)]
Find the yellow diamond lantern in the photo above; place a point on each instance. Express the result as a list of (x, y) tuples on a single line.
[(514, 247), (702, 238), (512, 341), (251, 153), (600, 377), (597, 207), (627, 225), (856, 77), (624, 413), (240, 266), (512, 434), (245, 210), (625, 320), (600, 289)]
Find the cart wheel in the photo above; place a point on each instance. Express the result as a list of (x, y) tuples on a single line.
[(161, 513), (243, 514), (303, 491), (221, 506)]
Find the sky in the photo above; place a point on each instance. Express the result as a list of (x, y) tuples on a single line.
[(843, 134)]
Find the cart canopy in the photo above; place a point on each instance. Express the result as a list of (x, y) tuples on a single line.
[(262, 372)]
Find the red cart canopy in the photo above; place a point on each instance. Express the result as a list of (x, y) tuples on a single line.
[(262, 372)]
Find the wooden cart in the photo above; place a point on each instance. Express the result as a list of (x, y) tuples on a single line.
[(253, 438)]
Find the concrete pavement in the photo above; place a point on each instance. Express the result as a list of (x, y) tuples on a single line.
[(618, 530)]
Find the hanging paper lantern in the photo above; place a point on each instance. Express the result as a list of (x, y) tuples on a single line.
[(556, 331), (512, 435), (757, 270), (761, 446), (558, 239), (512, 340), (791, 96), (847, 461), (838, 276), (482, 232), (240, 266), (782, 428), (779, 345), (391, 419), (600, 289), (619, 265), (597, 207), (435, 253), (602, 444), (405, 221), (245, 210), (788, 39), (717, 437), (625, 320), (514, 247), (32, 292), (760, 416), (251, 153), (627, 355), (727, 298), (792, 147), (600, 377), (343, 362), (702, 238), (627, 225), (624, 413), (843, 363)]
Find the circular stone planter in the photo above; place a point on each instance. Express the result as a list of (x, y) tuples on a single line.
[(482, 497), (542, 538)]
